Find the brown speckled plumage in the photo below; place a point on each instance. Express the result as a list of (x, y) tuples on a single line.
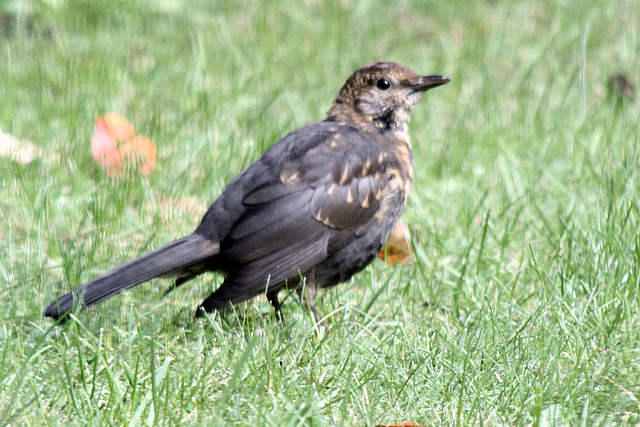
[(318, 205)]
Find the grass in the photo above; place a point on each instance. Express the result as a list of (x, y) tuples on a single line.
[(522, 305)]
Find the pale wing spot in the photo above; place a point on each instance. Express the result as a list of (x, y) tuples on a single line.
[(335, 141), (378, 195), (346, 174), (290, 177), (366, 168), (350, 197), (331, 189), (366, 203)]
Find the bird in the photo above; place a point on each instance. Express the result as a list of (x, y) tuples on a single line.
[(314, 210)]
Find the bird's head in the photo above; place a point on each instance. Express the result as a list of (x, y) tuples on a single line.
[(381, 96)]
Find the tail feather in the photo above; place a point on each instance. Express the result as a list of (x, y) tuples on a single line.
[(167, 260)]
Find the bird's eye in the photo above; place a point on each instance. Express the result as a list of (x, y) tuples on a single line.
[(383, 84)]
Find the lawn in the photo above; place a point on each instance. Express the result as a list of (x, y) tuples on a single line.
[(522, 303)]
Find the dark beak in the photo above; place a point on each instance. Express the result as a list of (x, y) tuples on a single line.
[(424, 83)]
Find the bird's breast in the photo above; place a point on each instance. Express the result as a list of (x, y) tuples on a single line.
[(402, 151)]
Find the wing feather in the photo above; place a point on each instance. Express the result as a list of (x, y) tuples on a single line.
[(317, 201)]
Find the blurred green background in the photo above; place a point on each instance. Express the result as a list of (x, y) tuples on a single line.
[(520, 308)]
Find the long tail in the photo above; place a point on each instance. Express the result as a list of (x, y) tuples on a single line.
[(170, 259)]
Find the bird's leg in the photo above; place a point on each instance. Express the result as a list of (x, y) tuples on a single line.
[(307, 293), (272, 296)]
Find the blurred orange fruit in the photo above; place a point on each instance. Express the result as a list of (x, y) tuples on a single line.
[(114, 142), (397, 249)]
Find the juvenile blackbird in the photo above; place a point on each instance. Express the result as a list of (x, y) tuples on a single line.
[(318, 205)]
